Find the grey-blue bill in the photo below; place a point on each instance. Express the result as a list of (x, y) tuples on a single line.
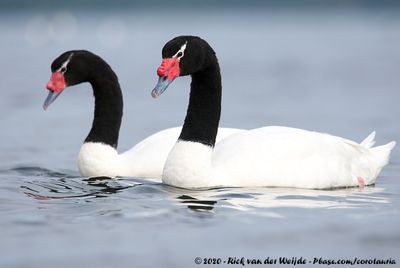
[(162, 84), (50, 98)]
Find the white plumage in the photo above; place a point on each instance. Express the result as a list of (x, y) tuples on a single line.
[(277, 157), (145, 159)]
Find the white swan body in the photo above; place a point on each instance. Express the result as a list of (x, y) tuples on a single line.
[(145, 159), (268, 156), (278, 157)]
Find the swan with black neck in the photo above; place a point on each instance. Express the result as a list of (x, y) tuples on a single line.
[(267, 156), (98, 155)]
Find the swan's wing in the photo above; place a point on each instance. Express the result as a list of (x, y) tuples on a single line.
[(147, 158), (289, 157)]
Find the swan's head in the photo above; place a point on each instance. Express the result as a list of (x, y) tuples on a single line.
[(183, 55), (70, 68)]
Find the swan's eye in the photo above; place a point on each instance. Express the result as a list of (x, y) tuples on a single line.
[(181, 52), (63, 67)]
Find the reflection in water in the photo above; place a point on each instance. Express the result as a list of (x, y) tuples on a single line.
[(255, 199), (196, 204), (56, 185), (49, 185), (250, 199), (107, 185), (68, 188)]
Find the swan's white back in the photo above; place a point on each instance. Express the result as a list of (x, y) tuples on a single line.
[(278, 157)]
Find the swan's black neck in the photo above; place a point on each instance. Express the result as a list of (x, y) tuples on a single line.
[(108, 106), (204, 111)]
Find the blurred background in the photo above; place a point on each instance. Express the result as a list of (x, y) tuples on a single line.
[(330, 66)]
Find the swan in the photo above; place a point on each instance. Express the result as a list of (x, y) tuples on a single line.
[(271, 156), (98, 155)]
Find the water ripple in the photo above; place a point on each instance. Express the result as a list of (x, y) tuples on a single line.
[(48, 184), (44, 184)]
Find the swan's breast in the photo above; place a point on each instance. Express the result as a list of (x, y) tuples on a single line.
[(97, 159)]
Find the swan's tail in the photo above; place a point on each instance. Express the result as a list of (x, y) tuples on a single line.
[(381, 154), (371, 164), (369, 141)]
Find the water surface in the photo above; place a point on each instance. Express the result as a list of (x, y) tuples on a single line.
[(331, 71)]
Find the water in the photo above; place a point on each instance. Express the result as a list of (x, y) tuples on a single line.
[(331, 71)]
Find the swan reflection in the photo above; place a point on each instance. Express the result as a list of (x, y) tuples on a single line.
[(47, 185), (62, 186), (248, 199)]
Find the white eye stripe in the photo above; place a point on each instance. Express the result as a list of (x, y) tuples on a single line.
[(181, 50), (64, 65)]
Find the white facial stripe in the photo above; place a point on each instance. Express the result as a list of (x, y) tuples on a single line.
[(64, 65), (182, 50)]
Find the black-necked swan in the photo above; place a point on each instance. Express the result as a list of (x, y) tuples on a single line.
[(267, 156), (98, 155)]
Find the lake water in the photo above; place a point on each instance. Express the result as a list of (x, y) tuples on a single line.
[(331, 71)]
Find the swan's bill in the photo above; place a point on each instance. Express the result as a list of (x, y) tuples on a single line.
[(55, 86), (162, 84), (167, 72), (56, 83), (50, 98)]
